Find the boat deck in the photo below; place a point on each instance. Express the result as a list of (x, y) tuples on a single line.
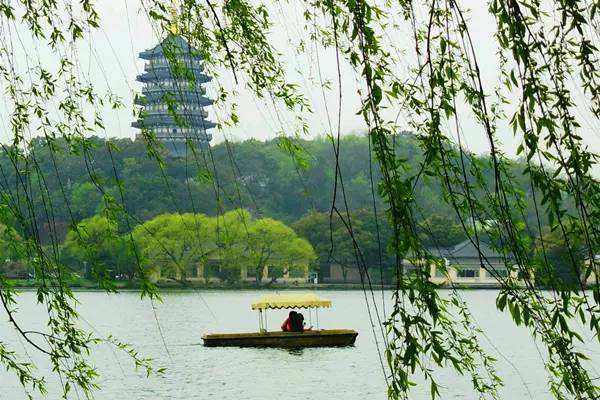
[(313, 338)]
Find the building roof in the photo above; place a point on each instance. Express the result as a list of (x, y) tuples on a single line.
[(193, 74), (165, 119), (174, 43), (467, 249), (181, 96)]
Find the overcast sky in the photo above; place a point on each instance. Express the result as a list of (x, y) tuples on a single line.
[(126, 30)]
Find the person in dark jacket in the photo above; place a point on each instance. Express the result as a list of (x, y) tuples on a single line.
[(297, 323)]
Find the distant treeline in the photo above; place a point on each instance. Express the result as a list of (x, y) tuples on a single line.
[(261, 177), (266, 178)]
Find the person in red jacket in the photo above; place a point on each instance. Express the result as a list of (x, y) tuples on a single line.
[(290, 322)]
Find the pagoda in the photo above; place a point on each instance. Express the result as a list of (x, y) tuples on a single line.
[(173, 98)]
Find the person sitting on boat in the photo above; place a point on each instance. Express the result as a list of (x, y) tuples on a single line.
[(290, 322), (297, 323), (301, 324)]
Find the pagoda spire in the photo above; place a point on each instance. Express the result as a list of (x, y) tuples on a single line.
[(173, 25)]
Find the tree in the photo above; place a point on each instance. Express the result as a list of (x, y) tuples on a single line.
[(441, 231), (231, 230), (177, 245), (97, 249), (12, 263), (559, 264), (271, 243), (85, 200), (333, 243), (174, 245)]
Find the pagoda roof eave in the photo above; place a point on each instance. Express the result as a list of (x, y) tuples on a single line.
[(149, 77), (178, 43), (150, 98), (169, 124)]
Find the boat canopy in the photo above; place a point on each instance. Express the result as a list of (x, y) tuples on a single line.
[(278, 301)]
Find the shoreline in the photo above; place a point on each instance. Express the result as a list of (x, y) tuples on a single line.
[(125, 286)]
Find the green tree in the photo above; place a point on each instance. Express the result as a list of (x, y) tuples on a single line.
[(367, 247), (273, 244), (85, 200), (99, 250), (441, 231), (558, 264), (174, 245), (12, 262)]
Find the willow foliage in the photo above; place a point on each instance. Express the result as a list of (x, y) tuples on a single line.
[(547, 50)]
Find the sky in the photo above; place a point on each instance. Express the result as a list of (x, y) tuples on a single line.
[(111, 58)]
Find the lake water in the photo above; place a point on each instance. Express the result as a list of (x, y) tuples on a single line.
[(196, 372)]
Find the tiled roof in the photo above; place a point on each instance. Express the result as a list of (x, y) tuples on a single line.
[(175, 42), (467, 249)]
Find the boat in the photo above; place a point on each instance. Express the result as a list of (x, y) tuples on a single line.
[(263, 338)]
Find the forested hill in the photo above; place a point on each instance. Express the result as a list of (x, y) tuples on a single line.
[(260, 176)]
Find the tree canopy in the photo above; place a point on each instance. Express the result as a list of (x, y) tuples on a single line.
[(264, 180), (178, 246), (98, 249)]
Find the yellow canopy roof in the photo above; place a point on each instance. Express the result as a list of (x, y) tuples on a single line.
[(303, 300)]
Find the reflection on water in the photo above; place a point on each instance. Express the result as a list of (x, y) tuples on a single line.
[(296, 352), (196, 372)]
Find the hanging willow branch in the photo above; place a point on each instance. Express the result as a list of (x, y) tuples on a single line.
[(543, 57)]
